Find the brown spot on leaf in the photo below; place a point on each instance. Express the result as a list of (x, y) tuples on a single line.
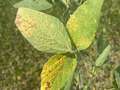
[(48, 86), (26, 25)]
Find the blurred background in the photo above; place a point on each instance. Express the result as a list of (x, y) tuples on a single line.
[(21, 64)]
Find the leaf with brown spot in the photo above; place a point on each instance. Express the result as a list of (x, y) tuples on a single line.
[(46, 33), (57, 72), (82, 24)]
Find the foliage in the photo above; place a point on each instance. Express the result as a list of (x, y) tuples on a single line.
[(21, 64), (34, 4), (57, 72), (82, 24), (103, 56), (46, 33)]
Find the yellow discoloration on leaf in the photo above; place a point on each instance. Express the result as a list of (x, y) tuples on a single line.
[(72, 23), (25, 25), (50, 71), (87, 17), (56, 72), (44, 32), (83, 42)]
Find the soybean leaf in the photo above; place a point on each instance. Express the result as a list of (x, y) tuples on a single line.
[(46, 33), (82, 24), (34, 4), (103, 56), (117, 76), (67, 86), (57, 72)]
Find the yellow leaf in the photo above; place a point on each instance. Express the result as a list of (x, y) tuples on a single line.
[(57, 72)]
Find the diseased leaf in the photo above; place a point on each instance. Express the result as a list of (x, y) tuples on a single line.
[(82, 24), (34, 4), (103, 56), (46, 33), (57, 72)]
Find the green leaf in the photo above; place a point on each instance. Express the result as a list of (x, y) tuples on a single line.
[(34, 4), (103, 56), (67, 86), (117, 76), (82, 24), (46, 33), (57, 72)]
